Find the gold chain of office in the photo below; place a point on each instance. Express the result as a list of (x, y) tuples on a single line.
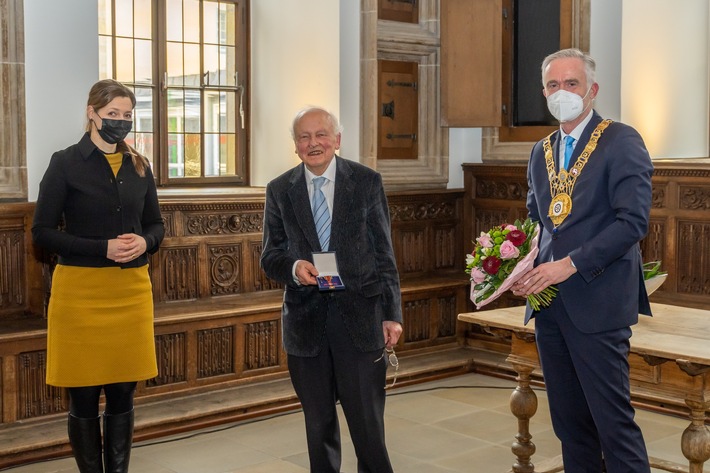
[(562, 183)]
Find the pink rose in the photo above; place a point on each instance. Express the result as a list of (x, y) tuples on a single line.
[(477, 276), (508, 250), (510, 227), (485, 240)]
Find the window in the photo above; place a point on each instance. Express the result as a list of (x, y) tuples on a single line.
[(186, 61), (531, 31)]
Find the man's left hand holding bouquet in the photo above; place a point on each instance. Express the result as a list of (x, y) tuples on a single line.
[(543, 276)]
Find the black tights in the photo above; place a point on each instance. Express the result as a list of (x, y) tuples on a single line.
[(84, 401)]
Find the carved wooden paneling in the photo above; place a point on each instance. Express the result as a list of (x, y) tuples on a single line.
[(12, 269), (489, 218), (417, 321), (421, 210), (223, 223), (501, 189), (446, 251), (426, 232), (653, 246), (34, 397), (215, 352), (693, 264), (694, 197), (217, 315), (411, 256), (171, 352), (225, 263), (179, 274), (658, 196), (259, 281), (262, 345), (448, 313)]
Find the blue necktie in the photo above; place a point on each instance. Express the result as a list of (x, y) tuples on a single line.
[(320, 213), (569, 147)]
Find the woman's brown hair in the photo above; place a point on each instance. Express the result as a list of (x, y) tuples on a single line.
[(103, 92)]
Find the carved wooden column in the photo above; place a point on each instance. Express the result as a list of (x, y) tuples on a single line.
[(695, 441), (523, 404), (13, 166)]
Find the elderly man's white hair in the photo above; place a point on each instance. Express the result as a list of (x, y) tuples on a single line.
[(331, 118)]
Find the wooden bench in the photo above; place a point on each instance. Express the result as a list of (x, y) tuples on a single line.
[(220, 360)]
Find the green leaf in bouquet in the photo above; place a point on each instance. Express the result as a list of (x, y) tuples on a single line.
[(652, 269)]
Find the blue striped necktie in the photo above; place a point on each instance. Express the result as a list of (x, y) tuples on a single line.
[(320, 213), (569, 147)]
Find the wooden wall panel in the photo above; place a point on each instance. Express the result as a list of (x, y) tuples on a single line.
[(471, 73), (217, 316)]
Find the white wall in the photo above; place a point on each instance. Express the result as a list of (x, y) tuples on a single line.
[(61, 65), (664, 81), (605, 48), (295, 63), (350, 20), (306, 52)]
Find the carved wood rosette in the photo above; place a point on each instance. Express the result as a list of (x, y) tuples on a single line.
[(225, 269)]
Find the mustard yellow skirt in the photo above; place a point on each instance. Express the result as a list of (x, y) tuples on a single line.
[(100, 326)]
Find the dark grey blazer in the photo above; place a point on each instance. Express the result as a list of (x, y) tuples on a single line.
[(611, 203), (361, 238)]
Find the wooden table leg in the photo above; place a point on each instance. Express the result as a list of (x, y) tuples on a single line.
[(695, 441), (523, 405)]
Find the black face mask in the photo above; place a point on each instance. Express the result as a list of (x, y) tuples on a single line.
[(113, 131)]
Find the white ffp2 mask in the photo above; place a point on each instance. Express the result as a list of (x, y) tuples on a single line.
[(565, 106)]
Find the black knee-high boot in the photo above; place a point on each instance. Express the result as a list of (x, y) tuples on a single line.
[(85, 440), (118, 437)]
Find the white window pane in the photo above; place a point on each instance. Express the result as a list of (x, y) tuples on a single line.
[(124, 59), (142, 19), (124, 18), (175, 66), (105, 17), (174, 20), (105, 58), (210, 24), (144, 62), (192, 21)]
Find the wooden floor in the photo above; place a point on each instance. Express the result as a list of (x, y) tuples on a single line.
[(24, 442)]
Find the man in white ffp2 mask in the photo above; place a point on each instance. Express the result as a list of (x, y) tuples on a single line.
[(593, 211)]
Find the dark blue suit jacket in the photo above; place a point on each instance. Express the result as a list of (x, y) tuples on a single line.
[(611, 202), (360, 237)]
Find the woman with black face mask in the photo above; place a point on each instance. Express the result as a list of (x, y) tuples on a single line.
[(97, 210)]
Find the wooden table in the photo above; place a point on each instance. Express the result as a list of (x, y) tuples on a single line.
[(674, 334)]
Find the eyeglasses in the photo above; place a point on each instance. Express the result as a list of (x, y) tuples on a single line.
[(392, 361)]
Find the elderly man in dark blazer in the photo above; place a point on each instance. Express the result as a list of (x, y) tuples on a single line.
[(335, 339), (593, 212)]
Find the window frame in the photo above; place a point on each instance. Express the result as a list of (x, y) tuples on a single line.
[(160, 104)]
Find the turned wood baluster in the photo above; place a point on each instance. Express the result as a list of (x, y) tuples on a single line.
[(695, 441), (523, 404)]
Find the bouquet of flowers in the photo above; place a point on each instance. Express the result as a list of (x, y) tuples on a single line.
[(500, 257)]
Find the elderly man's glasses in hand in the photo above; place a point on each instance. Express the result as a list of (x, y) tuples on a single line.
[(391, 357)]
